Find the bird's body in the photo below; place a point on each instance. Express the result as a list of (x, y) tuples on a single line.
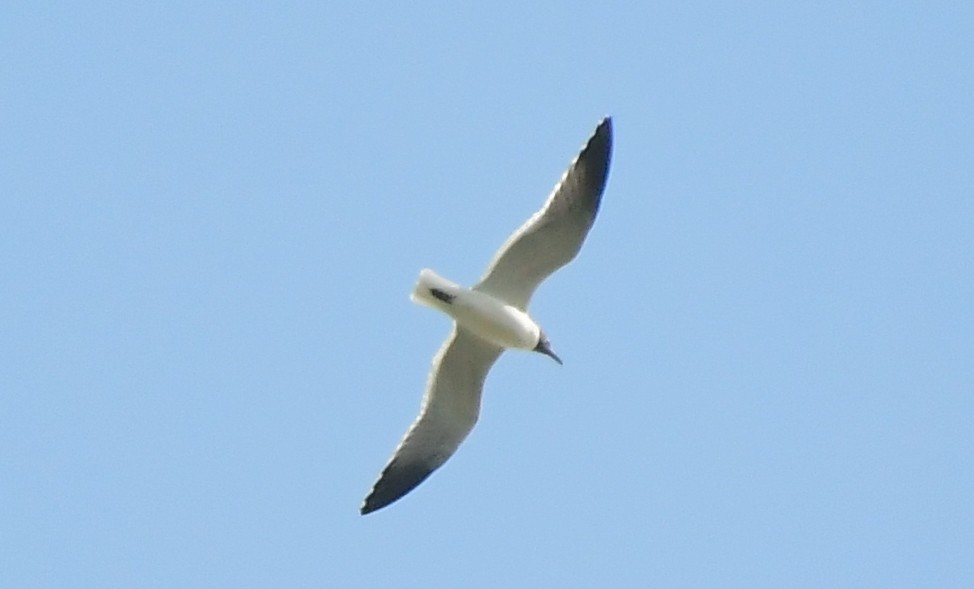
[(491, 317), (486, 316)]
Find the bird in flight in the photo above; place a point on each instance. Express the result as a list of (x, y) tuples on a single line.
[(491, 317)]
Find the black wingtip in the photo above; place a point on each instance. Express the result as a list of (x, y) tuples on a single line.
[(601, 140), (594, 159), (376, 501), (395, 482), (371, 504)]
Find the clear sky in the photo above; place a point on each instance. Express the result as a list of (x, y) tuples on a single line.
[(212, 214)]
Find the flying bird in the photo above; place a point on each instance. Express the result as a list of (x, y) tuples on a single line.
[(491, 317)]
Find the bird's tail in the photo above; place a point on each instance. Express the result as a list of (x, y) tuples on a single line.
[(432, 290)]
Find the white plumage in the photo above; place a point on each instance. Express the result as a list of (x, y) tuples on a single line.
[(491, 317)]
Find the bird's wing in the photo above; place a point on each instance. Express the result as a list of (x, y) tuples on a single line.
[(448, 412), (553, 235)]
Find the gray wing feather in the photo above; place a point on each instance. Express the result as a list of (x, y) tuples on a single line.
[(552, 237), (448, 412)]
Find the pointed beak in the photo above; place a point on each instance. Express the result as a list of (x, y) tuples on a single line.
[(544, 347), (553, 356)]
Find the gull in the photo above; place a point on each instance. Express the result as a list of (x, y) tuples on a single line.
[(491, 317)]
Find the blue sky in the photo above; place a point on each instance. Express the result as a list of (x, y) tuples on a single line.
[(213, 213)]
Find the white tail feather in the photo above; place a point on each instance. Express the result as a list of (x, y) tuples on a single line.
[(429, 280)]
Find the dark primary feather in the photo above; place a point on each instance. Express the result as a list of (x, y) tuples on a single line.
[(397, 479)]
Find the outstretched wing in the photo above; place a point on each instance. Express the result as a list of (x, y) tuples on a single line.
[(552, 237), (448, 412)]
